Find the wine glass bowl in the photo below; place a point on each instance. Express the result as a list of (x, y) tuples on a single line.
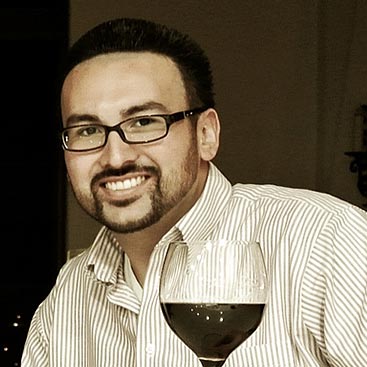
[(213, 294)]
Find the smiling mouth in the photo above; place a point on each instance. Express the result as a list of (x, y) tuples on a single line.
[(126, 184)]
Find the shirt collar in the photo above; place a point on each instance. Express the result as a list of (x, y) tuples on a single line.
[(199, 221), (105, 257)]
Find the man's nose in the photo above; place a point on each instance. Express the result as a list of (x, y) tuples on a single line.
[(116, 151)]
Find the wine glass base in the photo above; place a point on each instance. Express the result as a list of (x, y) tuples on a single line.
[(212, 363)]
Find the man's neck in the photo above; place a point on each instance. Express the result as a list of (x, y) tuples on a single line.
[(139, 246)]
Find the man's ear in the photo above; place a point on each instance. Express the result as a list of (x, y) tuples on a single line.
[(208, 132)]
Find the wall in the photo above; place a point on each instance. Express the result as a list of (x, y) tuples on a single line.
[(274, 81)]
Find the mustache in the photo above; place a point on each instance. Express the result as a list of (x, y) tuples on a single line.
[(128, 168)]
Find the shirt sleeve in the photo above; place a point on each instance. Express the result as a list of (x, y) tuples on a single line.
[(35, 347), (334, 302)]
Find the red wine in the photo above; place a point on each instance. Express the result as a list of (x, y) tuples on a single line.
[(212, 331)]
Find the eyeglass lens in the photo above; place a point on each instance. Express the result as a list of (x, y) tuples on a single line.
[(141, 129)]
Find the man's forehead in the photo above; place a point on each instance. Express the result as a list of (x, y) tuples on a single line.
[(131, 70), (128, 59)]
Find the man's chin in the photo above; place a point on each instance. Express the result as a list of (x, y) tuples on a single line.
[(127, 217), (130, 226), (122, 203)]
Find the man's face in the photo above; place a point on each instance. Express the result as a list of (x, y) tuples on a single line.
[(130, 187)]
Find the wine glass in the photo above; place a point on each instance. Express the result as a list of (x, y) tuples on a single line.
[(213, 294)]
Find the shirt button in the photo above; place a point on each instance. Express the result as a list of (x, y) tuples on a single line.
[(150, 349)]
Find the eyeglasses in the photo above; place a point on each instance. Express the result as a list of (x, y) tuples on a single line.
[(135, 130)]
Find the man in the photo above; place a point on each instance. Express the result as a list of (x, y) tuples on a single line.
[(140, 132)]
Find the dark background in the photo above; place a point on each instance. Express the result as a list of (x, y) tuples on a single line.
[(33, 38)]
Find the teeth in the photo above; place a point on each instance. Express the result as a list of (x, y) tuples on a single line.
[(126, 184)]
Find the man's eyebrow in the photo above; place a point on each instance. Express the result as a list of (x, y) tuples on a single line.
[(150, 105), (76, 118)]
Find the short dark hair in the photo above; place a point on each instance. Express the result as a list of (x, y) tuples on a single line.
[(139, 35)]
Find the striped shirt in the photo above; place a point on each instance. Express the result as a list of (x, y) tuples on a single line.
[(315, 249)]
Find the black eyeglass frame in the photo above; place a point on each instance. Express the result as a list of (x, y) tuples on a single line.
[(169, 119)]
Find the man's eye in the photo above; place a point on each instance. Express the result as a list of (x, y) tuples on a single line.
[(144, 121), (89, 130)]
